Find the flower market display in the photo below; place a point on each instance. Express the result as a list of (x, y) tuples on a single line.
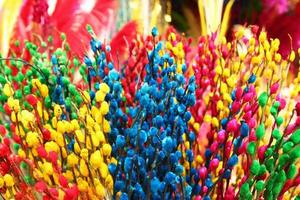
[(149, 117), (225, 126)]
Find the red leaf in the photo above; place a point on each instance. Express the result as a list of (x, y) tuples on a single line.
[(71, 19), (122, 39)]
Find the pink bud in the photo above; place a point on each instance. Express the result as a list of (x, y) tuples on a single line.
[(290, 128), (198, 197), (229, 194), (261, 152), (214, 147), (247, 97), (252, 136), (232, 126), (221, 136), (205, 188), (228, 149), (238, 93), (251, 123), (247, 115), (235, 106), (282, 103), (202, 172), (247, 107), (213, 164), (274, 88), (243, 148)]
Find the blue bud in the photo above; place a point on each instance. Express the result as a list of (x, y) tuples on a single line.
[(124, 196), (119, 185), (54, 60), (208, 183), (224, 122), (154, 32), (154, 184), (252, 78), (227, 174), (120, 142), (207, 153), (167, 144), (113, 75), (142, 137), (244, 130), (153, 131), (87, 61), (233, 160), (112, 168), (190, 156), (170, 178), (128, 164)]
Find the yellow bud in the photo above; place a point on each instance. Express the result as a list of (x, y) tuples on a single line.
[(104, 108), (83, 185), (103, 170), (230, 81), (96, 159), (106, 126), (207, 118), (32, 139), (9, 180), (252, 41), (215, 122), (262, 36), (236, 66), (44, 90), (100, 191), (7, 90), (277, 57), (109, 181), (77, 148), (224, 41), (106, 149), (83, 168), (226, 72), (1, 182), (84, 154), (90, 121), (100, 96), (21, 153), (239, 34), (220, 105), (100, 136), (61, 128), (268, 73), (292, 56), (218, 70), (187, 144), (223, 88), (86, 97), (80, 136), (266, 45), (199, 159), (95, 140), (52, 146), (196, 126), (57, 110), (72, 160), (168, 45), (256, 60), (48, 169), (36, 83)]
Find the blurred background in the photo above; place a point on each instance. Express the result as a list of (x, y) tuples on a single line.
[(119, 19)]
